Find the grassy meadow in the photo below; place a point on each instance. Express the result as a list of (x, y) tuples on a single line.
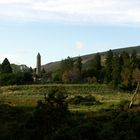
[(103, 114), (28, 95)]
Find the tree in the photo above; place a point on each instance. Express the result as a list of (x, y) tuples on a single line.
[(127, 70), (109, 66), (78, 64), (125, 58), (78, 69), (6, 67), (67, 64), (116, 72), (67, 68), (88, 74), (68, 76), (138, 63), (97, 62), (134, 59), (56, 76), (96, 65)]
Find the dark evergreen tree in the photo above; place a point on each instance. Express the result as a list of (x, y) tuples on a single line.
[(116, 72), (96, 64), (78, 64), (127, 70), (6, 67), (67, 67), (138, 63), (67, 64), (125, 58), (109, 66), (134, 59), (78, 69)]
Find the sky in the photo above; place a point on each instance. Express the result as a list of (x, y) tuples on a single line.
[(61, 28)]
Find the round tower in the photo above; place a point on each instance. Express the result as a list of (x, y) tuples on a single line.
[(38, 65)]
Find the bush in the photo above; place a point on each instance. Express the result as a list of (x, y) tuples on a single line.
[(87, 100), (49, 115), (85, 131)]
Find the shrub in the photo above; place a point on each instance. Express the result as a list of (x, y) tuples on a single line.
[(87, 100), (49, 115), (86, 131)]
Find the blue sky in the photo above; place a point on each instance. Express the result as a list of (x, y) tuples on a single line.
[(61, 28)]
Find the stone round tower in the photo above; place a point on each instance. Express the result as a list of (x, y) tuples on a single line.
[(38, 65)]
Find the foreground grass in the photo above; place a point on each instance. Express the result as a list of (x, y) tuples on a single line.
[(21, 123), (109, 119)]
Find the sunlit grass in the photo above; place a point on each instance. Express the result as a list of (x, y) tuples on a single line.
[(28, 95)]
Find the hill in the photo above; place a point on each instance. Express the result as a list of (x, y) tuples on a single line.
[(87, 58)]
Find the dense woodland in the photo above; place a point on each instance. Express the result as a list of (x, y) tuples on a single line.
[(117, 69)]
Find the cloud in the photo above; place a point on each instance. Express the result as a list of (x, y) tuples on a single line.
[(22, 51), (79, 45), (73, 11)]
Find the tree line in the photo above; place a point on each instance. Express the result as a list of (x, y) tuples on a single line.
[(118, 70), (10, 77)]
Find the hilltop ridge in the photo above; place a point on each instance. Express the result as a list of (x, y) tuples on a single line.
[(52, 66)]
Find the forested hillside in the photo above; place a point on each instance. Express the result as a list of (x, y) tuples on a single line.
[(114, 67), (87, 58)]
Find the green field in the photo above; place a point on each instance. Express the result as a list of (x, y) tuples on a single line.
[(28, 95), (108, 118)]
